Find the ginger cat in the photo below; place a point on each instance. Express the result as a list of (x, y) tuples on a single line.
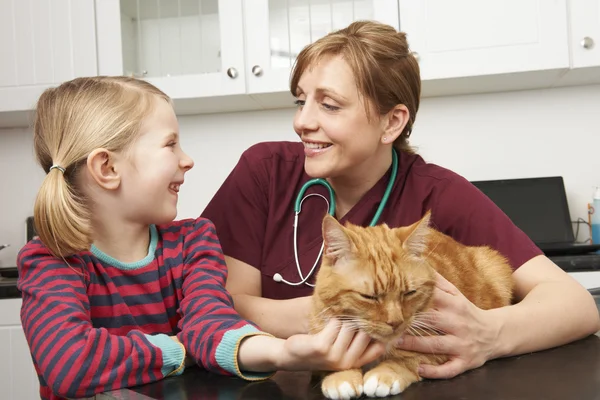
[(382, 281)]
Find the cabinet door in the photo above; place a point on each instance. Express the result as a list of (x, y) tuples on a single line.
[(188, 48), (466, 38), (585, 33), (18, 378), (43, 43), (277, 30)]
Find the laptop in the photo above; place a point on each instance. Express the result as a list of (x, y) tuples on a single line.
[(538, 206)]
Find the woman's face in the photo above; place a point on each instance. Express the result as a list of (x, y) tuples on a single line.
[(331, 121)]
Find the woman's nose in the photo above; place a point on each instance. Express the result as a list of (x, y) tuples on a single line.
[(306, 118)]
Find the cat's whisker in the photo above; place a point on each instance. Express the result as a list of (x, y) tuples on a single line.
[(415, 332), (428, 327)]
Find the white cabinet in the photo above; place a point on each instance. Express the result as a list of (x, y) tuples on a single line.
[(191, 49), (487, 44), (42, 43), (584, 41), (277, 30), (234, 55), (18, 379)]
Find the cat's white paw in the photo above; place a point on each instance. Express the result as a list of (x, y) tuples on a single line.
[(342, 385), (345, 391), (377, 387)]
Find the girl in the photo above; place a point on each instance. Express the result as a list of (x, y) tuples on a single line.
[(115, 294)]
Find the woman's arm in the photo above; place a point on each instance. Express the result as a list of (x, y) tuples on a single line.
[(281, 318), (553, 310)]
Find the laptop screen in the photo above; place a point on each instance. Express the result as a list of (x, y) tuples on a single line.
[(538, 206)]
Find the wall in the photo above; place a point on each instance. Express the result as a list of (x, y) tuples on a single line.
[(491, 136)]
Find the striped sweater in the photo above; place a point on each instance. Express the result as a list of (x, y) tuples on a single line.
[(95, 324)]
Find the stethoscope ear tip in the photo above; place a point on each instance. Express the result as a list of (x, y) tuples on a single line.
[(277, 277)]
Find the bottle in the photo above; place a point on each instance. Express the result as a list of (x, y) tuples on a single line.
[(595, 218)]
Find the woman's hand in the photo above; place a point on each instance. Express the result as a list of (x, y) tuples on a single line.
[(470, 333), (336, 347)]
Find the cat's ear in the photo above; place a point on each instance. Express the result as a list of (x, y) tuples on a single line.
[(416, 242), (337, 244)]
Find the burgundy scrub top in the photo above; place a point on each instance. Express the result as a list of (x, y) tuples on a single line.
[(253, 212)]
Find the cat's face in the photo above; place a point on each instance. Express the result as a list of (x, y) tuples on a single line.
[(375, 277)]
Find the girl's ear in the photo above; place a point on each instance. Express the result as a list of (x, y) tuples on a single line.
[(101, 165)]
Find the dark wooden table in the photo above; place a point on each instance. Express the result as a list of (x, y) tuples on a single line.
[(567, 372)]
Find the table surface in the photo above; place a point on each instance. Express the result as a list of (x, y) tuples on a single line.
[(566, 372)]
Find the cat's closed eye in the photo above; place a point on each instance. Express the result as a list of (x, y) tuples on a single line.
[(410, 292), (368, 297)]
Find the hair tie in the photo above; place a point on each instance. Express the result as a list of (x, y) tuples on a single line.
[(58, 167)]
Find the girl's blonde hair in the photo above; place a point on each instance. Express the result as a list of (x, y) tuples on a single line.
[(71, 121), (385, 70)]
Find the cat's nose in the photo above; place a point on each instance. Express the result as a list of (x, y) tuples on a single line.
[(394, 324)]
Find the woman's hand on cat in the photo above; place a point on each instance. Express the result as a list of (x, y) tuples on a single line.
[(469, 333), (337, 347)]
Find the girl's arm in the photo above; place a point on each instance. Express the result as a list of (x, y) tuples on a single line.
[(219, 339), (74, 358)]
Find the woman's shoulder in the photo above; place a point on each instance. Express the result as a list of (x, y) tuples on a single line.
[(433, 177)]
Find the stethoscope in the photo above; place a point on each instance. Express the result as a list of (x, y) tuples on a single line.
[(298, 207)]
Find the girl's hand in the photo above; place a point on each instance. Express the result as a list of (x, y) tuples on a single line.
[(336, 347), (470, 337)]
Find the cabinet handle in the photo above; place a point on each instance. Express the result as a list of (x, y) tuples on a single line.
[(416, 55), (587, 43), (232, 73), (257, 70)]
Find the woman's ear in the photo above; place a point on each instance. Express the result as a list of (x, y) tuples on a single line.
[(394, 122), (101, 165)]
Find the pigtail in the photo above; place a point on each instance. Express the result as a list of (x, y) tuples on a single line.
[(61, 217)]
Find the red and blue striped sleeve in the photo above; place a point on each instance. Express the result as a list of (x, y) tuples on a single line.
[(211, 329), (74, 358)]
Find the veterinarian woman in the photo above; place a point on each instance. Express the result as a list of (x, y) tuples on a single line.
[(357, 93)]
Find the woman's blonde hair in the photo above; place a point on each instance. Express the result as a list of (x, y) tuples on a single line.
[(71, 121), (385, 70)]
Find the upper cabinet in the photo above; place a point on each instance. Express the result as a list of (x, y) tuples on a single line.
[(584, 41), (42, 43), (191, 49), (277, 30), (233, 55), (480, 45)]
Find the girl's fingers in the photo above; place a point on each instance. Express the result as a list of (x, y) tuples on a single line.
[(373, 351), (357, 347), (342, 342)]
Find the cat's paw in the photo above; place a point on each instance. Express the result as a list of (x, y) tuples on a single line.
[(343, 385), (386, 382)]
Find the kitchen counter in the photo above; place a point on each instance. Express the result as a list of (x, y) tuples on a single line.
[(567, 372)]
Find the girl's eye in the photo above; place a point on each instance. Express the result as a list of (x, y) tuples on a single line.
[(410, 292), (368, 297), (171, 144)]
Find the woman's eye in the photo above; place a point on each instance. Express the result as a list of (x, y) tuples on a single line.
[(171, 144), (299, 103), (368, 297), (330, 107), (410, 292)]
